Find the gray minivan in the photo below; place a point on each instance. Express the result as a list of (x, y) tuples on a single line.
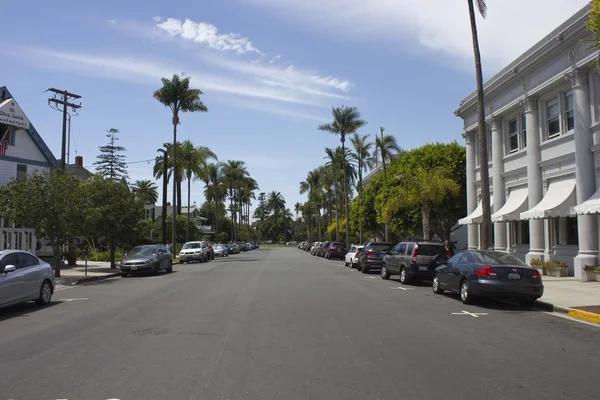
[(414, 260)]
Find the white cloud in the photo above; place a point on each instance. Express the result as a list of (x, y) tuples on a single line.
[(272, 60), (207, 34), (439, 26)]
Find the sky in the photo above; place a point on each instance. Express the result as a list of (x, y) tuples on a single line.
[(270, 70)]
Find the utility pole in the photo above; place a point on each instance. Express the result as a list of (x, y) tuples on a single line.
[(63, 100)]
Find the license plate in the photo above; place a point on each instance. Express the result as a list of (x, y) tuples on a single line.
[(133, 268), (423, 268), (514, 275)]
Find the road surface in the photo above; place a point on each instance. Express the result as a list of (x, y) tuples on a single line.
[(277, 323)]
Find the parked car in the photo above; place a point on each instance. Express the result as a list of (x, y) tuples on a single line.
[(314, 248), (208, 249), (242, 246), (371, 258), (336, 250), (478, 273), (193, 251), (221, 250), (414, 260), (24, 277), (323, 249), (146, 258), (351, 259)]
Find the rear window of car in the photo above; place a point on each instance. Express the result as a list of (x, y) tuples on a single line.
[(497, 258), (338, 244), (381, 247), (431, 249)]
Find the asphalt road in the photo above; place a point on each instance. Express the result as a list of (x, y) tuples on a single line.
[(281, 324)]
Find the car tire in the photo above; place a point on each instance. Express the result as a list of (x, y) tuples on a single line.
[(365, 269), (404, 276), (123, 275), (170, 267), (156, 269), (384, 273), (435, 285), (465, 295), (45, 293)]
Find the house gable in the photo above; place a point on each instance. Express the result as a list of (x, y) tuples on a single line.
[(29, 147)]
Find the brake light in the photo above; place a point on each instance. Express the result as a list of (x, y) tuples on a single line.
[(357, 253), (370, 252), (414, 254), (536, 274), (486, 271), (331, 249)]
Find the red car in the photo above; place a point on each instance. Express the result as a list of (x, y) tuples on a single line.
[(336, 250)]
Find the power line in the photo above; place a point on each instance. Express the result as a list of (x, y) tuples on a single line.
[(129, 163)]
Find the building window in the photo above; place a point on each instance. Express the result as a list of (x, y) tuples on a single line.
[(7, 132), (569, 115), (553, 118), (21, 170), (572, 235), (522, 231), (523, 131), (513, 136)]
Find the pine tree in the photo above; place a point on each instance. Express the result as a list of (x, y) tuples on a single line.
[(111, 160)]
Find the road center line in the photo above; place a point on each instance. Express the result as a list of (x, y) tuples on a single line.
[(474, 315)]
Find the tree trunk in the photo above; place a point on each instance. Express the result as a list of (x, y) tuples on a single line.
[(337, 214), (187, 227), (385, 224), (425, 217), (113, 249), (360, 188), (232, 229), (179, 196), (174, 205), (164, 198), (57, 258), (216, 228), (486, 240), (346, 210)]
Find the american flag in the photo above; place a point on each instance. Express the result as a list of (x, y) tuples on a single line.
[(3, 147)]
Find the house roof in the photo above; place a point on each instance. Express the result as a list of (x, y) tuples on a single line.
[(33, 134)]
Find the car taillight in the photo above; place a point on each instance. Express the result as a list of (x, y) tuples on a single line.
[(356, 255), (414, 254), (486, 271), (536, 274), (370, 252), (331, 249)]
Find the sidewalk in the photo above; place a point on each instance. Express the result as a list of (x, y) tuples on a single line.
[(572, 296), (97, 270)]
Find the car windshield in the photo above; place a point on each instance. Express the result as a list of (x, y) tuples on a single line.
[(192, 246), (143, 251), (497, 258), (381, 247), (338, 244)]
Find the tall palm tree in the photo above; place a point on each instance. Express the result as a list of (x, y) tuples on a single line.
[(194, 163), (486, 239), (346, 121), (161, 169), (334, 168), (179, 97), (146, 191), (276, 202), (386, 145), (362, 152), (234, 171), (215, 189)]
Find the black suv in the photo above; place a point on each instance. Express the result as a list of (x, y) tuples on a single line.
[(372, 255), (414, 260)]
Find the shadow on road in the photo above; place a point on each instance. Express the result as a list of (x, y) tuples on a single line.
[(24, 309)]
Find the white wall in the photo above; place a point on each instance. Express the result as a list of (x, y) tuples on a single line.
[(25, 148)]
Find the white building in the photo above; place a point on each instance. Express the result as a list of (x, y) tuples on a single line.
[(543, 125), (25, 152)]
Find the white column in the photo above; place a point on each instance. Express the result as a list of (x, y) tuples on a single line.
[(473, 230), (534, 177), (587, 225), (498, 182)]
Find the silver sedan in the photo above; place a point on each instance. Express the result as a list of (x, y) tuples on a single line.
[(221, 250), (24, 277)]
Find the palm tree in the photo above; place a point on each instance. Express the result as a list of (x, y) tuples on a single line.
[(363, 155), (194, 163), (421, 188), (334, 166), (215, 189), (486, 239), (177, 95), (161, 169), (346, 121), (386, 145), (276, 202), (146, 191), (234, 172)]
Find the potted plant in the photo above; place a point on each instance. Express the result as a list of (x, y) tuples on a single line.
[(591, 272), (557, 269), (539, 265)]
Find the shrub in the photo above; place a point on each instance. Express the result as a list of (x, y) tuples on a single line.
[(105, 256)]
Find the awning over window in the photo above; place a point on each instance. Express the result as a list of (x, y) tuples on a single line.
[(476, 216), (590, 206), (557, 202), (514, 206)]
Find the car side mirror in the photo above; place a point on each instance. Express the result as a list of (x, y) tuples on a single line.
[(9, 268)]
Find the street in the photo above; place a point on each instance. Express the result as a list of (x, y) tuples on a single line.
[(277, 323)]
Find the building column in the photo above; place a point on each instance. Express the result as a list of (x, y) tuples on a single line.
[(587, 225), (498, 182), (473, 230), (534, 178)]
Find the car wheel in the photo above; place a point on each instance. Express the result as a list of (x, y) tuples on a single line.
[(45, 293), (465, 295), (436, 285), (170, 267), (123, 275), (156, 269), (345, 263), (365, 269), (403, 276), (384, 273)]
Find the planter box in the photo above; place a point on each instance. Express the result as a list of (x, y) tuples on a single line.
[(590, 275), (558, 272)]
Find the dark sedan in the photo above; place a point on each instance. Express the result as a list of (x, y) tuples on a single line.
[(474, 274), (336, 250)]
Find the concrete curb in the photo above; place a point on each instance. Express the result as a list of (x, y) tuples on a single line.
[(88, 279), (571, 312)]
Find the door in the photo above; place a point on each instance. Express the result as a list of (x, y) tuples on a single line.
[(11, 283), (32, 271), (456, 271), (445, 276)]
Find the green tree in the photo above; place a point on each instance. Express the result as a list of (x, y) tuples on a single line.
[(112, 213), (111, 162), (161, 170), (276, 202), (146, 191), (50, 202), (177, 95), (386, 146), (362, 153), (215, 190), (346, 121), (593, 26), (486, 238)]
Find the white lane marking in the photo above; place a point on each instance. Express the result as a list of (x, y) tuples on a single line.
[(400, 288), (61, 288), (474, 315), (77, 299)]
